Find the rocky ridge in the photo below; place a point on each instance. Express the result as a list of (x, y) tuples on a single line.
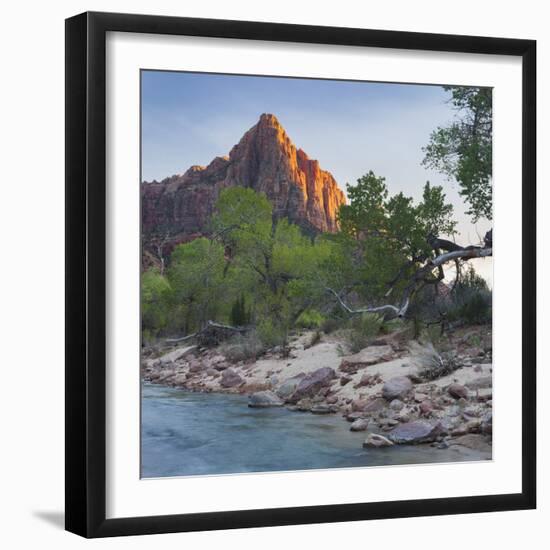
[(266, 160)]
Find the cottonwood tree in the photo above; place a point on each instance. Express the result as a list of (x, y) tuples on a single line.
[(463, 149), (398, 245)]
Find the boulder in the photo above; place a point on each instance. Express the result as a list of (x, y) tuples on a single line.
[(487, 424), (231, 379), (288, 387), (366, 357), (375, 405), (176, 354), (311, 383), (396, 405), (417, 431), (323, 409), (376, 441), (359, 425), (345, 380), (263, 399), (458, 391), (480, 383), (396, 388), (368, 380), (477, 442)]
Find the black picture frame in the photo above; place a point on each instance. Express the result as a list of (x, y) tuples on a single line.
[(86, 274)]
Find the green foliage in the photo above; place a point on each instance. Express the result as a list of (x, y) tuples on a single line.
[(471, 300), (272, 334), (240, 315), (463, 149), (384, 238), (310, 319), (363, 329), (196, 278), (155, 301)]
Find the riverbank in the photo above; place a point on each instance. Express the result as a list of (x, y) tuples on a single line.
[(395, 391)]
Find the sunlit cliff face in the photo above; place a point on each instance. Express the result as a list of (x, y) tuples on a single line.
[(266, 160)]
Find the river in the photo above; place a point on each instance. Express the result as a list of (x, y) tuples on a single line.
[(185, 433)]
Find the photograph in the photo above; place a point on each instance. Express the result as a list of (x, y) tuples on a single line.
[(316, 274)]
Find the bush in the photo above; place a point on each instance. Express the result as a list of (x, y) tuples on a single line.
[(477, 309), (240, 315), (272, 335), (330, 325), (310, 319), (363, 329), (315, 339), (242, 347)]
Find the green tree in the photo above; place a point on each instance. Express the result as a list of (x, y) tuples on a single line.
[(463, 149), (155, 302), (388, 236), (196, 275)]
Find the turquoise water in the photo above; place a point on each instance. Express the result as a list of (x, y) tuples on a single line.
[(185, 433)]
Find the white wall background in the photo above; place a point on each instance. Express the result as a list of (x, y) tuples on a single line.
[(31, 273)]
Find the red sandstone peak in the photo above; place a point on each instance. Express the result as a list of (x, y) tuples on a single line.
[(264, 159)]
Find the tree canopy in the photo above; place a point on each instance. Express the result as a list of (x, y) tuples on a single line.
[(463, 149)]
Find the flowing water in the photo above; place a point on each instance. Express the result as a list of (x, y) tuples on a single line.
[(185, 433)]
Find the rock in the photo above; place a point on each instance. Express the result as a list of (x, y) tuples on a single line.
[(359, 425), (477, 442), (353, 416), (264, 160), (426, 407), (368, 380), (457, 391), (375, 405), (177, 354), (288, 387), (311, 383), (323, 409), (480, 383), (332, 399), (231, 379), (473, 426), (263, 399), (417, 431), (487, 424), (345, 380), (366, 357), (376, 441), (304, 405), (212, 372), (397, 387), (485, 394), (358, 404), (396, 405), (179, 379), (419, 397)]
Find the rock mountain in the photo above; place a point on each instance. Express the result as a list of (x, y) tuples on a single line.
[(266, 160)]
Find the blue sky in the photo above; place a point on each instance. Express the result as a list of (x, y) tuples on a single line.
[(350, 127)]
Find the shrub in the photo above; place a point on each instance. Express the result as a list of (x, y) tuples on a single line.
[(315, 339), (476, 310), (272, 335), (242, 347), (363, 329), (310, 319), (330, 325), (240, 315)]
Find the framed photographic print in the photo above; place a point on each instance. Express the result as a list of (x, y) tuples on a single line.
[(300, 274)]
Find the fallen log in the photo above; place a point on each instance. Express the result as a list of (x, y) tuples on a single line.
[(211, 334)]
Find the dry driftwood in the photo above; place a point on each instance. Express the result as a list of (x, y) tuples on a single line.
[(424, 275), (211, 334)]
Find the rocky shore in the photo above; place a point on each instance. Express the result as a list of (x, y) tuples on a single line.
[(398, 392)]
